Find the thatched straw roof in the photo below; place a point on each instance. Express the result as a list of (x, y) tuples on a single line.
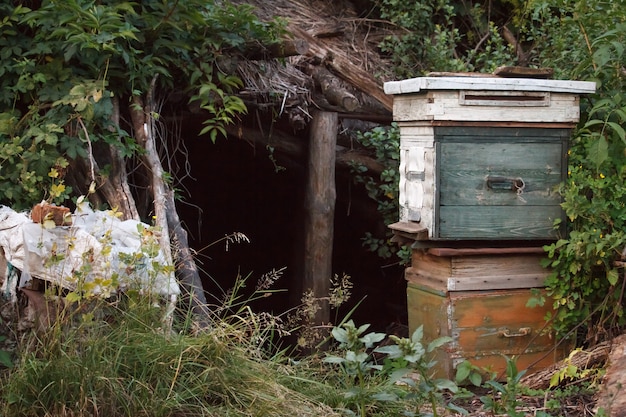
[(338, 69)]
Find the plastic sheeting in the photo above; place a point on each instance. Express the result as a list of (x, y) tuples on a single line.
[(99, 253)]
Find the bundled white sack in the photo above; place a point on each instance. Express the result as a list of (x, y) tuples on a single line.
[(97, 255)]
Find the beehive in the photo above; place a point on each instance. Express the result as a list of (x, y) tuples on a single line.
[(478, 297), (480, 157)]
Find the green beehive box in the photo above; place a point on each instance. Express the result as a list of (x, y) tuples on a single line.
[(480, 157), (498, 183)]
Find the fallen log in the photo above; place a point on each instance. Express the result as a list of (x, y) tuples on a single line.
[(582, 359)]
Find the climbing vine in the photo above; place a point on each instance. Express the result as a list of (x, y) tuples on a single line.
[(384, 142), (68, 68)]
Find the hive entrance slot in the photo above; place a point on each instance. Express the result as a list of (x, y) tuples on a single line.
[(504, 98)]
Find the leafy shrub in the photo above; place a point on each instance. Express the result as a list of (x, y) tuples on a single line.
[(586, 284), (401, 376), (384, 142), (67, 67)]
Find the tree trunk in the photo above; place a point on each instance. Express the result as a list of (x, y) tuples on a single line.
[(122, 199), (320, 210), (188, 275), (166, 217)]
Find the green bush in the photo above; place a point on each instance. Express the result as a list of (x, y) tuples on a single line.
[(586, 284)]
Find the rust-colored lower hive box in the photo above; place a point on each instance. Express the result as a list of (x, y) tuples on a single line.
[(488, 322)]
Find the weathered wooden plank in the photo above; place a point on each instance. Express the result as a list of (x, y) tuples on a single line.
[(509, 250), (480, 166), (497, 222), (504, 98), (415, 85), (475, 283), (499, 173), (491, 125), (446, 105), (488, 312), (478, 271), (427, 309), (524, 72), (463, 132), (531, 362)]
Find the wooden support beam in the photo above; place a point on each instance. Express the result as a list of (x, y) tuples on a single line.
[(333, 90), (320, 210), (293, 147)]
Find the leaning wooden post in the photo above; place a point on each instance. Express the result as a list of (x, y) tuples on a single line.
[(320, 210)]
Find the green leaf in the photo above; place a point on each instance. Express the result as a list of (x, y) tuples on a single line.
[(555, 379), (5, 359), (619, 130), (391, 350), (445, 384), (371, 338), (496, 385), (612, 275), (340, 335), (73, 297), (334, 359), (361, 328), (457, 409), (476, 379), (438, 343), (418, 334), (385, 396), (463, 371), (598, 151)]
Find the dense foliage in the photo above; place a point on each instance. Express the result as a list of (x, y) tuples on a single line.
[(587, 285), (69, 68)]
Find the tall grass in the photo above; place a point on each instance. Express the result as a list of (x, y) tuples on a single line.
[(124, 364)]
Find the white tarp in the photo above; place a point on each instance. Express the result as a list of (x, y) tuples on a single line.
[(88, 255)]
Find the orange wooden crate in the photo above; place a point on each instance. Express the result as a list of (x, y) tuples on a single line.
[(484, 324)]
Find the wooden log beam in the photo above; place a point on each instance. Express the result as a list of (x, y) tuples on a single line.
[(340, 64), (294, 147), (333, 90), (320, 196)]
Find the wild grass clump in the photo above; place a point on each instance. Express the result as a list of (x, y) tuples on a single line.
[(125, 365)]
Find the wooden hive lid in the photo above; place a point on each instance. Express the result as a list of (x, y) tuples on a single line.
[(487, 83)]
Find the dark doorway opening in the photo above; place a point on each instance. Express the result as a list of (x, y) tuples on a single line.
[(238, 187)]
